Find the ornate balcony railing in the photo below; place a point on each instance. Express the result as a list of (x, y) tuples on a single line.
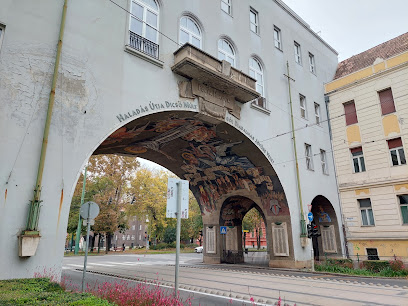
[(143, 45)]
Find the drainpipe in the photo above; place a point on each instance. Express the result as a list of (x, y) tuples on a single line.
[(302, 216), (33, 216)]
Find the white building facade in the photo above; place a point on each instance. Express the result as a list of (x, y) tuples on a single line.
[(214, 111)]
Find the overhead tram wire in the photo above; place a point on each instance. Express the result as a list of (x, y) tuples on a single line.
[(279, 135)]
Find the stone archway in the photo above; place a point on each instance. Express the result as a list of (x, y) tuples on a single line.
[(218, 160), (329, 243)]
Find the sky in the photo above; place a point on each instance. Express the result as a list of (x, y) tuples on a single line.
[(353, 26)]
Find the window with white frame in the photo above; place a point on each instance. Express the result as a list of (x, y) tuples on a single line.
[(128, 237), (403, 200), (312, 66), (367, 216), (308, 156), (317, 112), (256, 71), (226, 6), (358, 159), (226, 52), (144, 25), (323, 161), (133, 227), (277, 37), (140, 227), (190, 32), (123, 237), (133, 237), (302, 104), (140, 237), (116, 237), (254, 21), (298, 56), (396, 152)]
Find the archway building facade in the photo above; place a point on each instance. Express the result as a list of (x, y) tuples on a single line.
[(127, 86)]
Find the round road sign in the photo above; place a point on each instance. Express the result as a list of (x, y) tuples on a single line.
[(89, 210)]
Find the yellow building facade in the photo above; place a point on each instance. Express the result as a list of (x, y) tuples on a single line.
[(368, 106)]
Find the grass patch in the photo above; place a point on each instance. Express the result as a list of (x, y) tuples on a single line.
[(387, 272), (41, 291)]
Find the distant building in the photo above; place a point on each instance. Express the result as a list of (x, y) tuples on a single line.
[(250, 238), (135, 236), (368, 105)]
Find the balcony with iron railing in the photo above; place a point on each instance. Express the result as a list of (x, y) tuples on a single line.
[(143, 45)]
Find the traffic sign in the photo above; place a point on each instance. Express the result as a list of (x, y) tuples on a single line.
[(171, 208), (89, 210), (310, 216), (223, 230)]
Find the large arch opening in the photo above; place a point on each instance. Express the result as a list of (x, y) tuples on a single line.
[(222, 165), (328, 244)]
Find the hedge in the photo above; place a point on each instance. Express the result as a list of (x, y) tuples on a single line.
[(375, 265)]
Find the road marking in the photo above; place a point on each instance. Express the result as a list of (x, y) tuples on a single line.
[(102, 264)]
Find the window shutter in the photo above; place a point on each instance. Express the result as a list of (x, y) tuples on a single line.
[(386, 101), (350, 113), (210, 240), (280, 240), (328, 239), (394, 143), (356, 150)]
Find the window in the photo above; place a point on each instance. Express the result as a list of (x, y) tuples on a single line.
[(372, 254), (189, 32), (256, 71), (140, 237), (323, 161), (403, 199), (133, 237), (123, 237), (133, 227), (277, 38), (309, 156), (317, 112), (358, 159), (128, 237), (367, 217), (226, 6), (226, 52), (302, 104), (253, 19), (386, 101), (312, 66), (140, 227), (298, 56), (116, 237), (350, 113), (144, 25), (396, 152)]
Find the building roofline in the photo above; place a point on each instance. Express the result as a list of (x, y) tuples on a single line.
[(303, 23)]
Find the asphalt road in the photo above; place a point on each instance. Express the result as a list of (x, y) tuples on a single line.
[(217, 284)]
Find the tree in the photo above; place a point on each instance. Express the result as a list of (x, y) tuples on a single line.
[(149, 191), (170, 234), (108, 176), (253, 222)]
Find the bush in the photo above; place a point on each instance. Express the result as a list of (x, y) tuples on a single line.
[(159, 246), (191, 245), (340, 262), (171, 245), (397, 265), (375, 265)]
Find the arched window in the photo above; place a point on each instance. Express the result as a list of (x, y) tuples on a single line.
[(255, 71), (226, 52), (145, 19), (189, 32)]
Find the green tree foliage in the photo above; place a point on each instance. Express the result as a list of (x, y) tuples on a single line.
[(169, 234), (253, 222), (108, 176)]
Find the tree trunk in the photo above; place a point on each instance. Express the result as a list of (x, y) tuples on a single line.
[(92, 242), (108, 242), (258, 239), (99, 242)]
